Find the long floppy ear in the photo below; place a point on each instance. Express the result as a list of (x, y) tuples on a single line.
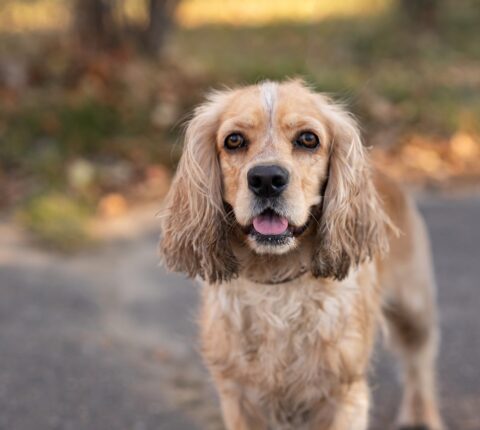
[(194, 225), (353, 224)]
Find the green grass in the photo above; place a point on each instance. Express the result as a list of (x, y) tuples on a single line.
[(57, 221)]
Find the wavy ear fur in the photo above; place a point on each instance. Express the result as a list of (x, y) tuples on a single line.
[(194, 225), (353, 224)]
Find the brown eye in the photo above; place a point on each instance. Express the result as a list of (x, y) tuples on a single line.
[(307, 139), (234, 141)]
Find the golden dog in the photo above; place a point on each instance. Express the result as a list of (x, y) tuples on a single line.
[(304, 250)]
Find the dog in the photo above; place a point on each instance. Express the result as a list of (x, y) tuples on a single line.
[(304, 251)]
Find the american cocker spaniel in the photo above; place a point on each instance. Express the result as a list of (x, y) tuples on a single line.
[(304, 250)]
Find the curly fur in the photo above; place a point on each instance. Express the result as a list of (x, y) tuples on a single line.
[(353, 224), (194, 222)]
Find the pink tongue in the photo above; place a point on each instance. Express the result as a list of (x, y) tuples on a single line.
[(270, 224)]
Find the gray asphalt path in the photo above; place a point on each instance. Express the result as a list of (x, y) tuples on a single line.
[(106, 340)]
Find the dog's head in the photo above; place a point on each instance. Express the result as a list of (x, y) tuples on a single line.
[(271, 162)]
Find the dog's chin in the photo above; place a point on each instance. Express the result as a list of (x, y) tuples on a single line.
[(270, 233), (271, 244)]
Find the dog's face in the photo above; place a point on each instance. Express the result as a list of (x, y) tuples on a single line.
[(276, 156), (273, 148)]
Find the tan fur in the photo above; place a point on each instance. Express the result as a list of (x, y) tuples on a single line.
[(295, 355), (195, 227)]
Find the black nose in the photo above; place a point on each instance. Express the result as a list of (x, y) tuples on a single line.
[(267, 181)]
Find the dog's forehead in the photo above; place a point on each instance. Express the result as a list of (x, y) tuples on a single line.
[(244, 101), (270, 102), (295, 98)]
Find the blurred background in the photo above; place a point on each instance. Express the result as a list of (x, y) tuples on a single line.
[(93, 95)]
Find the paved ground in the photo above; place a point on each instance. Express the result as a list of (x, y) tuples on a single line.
[(106, 340)]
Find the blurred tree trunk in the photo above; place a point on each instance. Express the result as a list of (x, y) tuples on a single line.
[(93, 23), (421, 13), (160, 22)]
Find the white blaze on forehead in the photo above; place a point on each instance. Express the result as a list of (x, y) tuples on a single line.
[(268, 92)]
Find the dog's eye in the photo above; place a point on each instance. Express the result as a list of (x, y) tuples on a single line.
[(234, 141), (307, 139)]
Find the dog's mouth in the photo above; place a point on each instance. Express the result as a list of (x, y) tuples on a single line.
[(269, 223), (272, 228)]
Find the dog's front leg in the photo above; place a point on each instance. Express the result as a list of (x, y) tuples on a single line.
[(350, 410)]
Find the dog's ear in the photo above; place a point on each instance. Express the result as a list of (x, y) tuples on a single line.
[(353, 223), (194, 225)]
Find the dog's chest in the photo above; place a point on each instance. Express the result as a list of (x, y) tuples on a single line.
[(289, 345)]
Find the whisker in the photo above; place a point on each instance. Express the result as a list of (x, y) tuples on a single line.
[(314, 217)]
